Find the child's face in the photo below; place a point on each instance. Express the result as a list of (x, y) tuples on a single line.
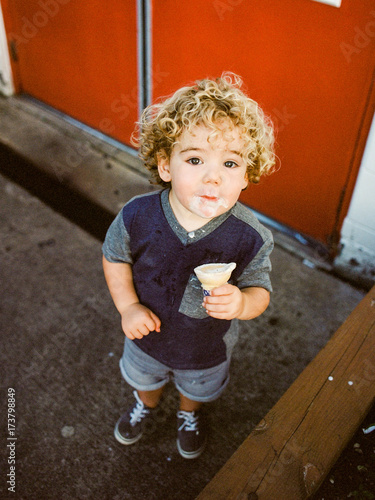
[(206, 177)]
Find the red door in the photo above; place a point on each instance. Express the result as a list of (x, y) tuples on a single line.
[(79, 57), (309, 65)]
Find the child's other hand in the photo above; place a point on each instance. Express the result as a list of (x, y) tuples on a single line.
[(225, 302), (138, 321)]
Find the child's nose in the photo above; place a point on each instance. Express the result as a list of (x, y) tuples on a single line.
[(212, 174)]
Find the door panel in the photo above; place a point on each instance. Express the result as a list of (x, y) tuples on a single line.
[(310, 70), (81, 58)]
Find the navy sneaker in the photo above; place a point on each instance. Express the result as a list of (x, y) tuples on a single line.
[(131, 426), (192, 436)]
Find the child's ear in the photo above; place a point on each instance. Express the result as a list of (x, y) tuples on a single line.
[(245, 182), (163, 167)]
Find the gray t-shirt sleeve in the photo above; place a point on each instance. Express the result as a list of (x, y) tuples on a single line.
[(257, 271), (116, 246)]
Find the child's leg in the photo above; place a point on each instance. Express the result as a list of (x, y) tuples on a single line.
[(142, 372), (151, 398), (191, 428), (206, 386), (187, 404)]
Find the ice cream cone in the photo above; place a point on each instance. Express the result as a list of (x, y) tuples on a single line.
[(214, 275)]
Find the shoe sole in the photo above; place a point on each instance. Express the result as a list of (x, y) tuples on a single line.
[(120, 438), (190, 454)]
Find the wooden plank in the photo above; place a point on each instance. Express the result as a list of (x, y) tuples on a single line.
[(292, 449)]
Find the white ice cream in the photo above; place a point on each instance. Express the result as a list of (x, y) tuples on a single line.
[(204, 207), (214, 275)]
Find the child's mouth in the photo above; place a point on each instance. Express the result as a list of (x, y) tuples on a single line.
[(207, 205), (210, 198)]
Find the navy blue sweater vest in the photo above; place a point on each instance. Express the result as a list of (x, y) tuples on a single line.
[(162, 267)]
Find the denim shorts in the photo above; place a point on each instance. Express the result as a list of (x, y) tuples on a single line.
[(145, 373)]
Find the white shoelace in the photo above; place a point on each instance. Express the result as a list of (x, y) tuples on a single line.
[(190, 421), (139, 411)]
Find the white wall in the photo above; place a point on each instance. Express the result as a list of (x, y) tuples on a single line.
[(358, 231), (6, 81)]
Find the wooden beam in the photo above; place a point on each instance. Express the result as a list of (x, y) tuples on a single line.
[(292, 449)]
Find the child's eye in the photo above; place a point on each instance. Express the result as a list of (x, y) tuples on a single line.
[(194, 161), (230, 164)]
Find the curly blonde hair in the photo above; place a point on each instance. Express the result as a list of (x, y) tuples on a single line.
[(207, 102)]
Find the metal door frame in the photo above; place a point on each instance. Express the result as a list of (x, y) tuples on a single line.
[(144, 47)]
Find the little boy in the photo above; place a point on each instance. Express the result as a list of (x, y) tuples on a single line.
[(204, 145)]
